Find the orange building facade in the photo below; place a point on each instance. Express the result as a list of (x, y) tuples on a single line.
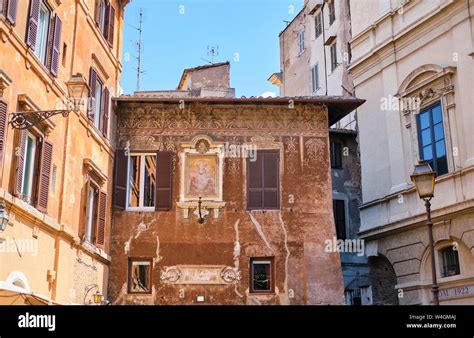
[(54, 175)]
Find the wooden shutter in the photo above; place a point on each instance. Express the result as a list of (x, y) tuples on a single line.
[(105, 105), (56, 46), (3, 126), (44, 176), (105, 30), (111, 26), (20, 161), (255, 183), (92, 85), (100, 236), (339, 218), (33, 18), (11, 10), (98, 9), (164, 180), (120, 179), (271, 179)]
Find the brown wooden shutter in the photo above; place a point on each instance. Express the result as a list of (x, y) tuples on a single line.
[(56, 46), (3, 126), (33, 23), (111, 26), (271, 179), (100, 236), (98, 10), (255, 183), (120, 179), (164, 180), (92, 85), (105, 31), (44, 176), (12, 9), (20, 162), (105, 105)]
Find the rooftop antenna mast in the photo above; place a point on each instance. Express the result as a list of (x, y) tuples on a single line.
[(212, 52), (139, 49)]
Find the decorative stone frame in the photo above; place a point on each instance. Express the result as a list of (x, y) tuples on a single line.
[(204, 146), (428, 85)]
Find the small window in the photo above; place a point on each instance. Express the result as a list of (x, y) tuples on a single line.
[(139, 275), (100, 14), (339, 209), (332, 12), (141, 181), (42, 33), (318, 22), (431, 139), (92, 213), (261, 275), (301, 44), (29, 164), (450, 261), (334, 63), (336, 155), (315, 78)]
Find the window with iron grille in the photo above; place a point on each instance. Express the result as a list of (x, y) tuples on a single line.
[(450, 261), (261, 275)]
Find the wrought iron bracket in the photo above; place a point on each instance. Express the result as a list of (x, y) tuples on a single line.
[(28, 119)]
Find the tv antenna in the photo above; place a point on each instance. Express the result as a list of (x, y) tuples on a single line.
[(139, 46), (212, 52)]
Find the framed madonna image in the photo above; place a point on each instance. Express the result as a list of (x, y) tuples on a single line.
[(201, 176)]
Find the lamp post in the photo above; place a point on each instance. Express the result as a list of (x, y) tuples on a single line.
[(201, 219), (77, 89), (423, 178)]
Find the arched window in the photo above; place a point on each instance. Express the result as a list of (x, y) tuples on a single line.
[(449, 262)]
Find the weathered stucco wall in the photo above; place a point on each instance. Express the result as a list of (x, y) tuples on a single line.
[(293, 235)]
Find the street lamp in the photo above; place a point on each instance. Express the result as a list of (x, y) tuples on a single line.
[(424, 180), (77, 89), (97, 297), (3, 217)]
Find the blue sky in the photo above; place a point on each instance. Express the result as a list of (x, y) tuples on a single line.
[(177, 33)]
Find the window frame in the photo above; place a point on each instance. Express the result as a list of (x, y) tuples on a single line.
[(34, 167), (141, 183), (443, 265), (335, 201), (428, 109), (315, 78), (301, 42), (333, 53), (98, 103), (336, 156), (131, 260), (40, 49), (331, 12), (318, 24), (271, 261), (92, 227)]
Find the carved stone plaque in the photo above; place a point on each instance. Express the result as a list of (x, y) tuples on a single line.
[(200, 274)]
